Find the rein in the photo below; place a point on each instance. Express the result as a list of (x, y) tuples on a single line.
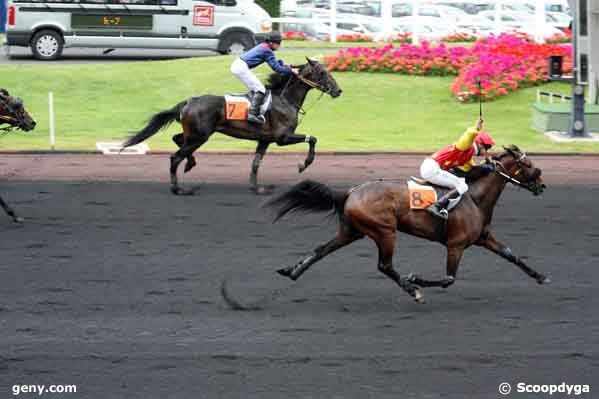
[(300, 109), (506, 176)]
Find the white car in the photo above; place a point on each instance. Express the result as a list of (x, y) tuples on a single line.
[(429, 28)]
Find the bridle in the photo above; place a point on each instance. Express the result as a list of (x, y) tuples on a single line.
[(315, 85), (505, 173)]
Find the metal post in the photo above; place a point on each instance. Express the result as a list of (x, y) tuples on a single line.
[(578, 126), (539, 20), (415, 22), (51, 112), (333, 32), (386, 15)]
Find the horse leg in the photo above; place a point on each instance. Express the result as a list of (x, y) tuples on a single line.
[(260, 151), (493, 245), (10, 212), (386, 246), (341, 240), (454, 256), (183, 153), (191, 161), (298, 138)]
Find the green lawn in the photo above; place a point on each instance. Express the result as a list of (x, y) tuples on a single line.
[(376, 111)]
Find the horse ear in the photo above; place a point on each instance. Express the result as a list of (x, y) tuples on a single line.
[(311, 61)]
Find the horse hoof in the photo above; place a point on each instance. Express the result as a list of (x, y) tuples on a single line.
[(181, 191), (18, 219), (261, 190), (413, 278), (301, 168), (544, 280), (284, 272), (418, 297)]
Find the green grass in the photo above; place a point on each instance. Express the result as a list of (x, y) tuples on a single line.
[(381, 112)]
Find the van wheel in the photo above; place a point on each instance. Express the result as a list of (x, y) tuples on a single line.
[(236, 43), (47, 45)]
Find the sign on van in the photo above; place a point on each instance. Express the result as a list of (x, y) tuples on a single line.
[(203, 15)]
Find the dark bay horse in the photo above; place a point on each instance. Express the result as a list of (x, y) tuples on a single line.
[(201, 116), (13, 116), (380, 208)]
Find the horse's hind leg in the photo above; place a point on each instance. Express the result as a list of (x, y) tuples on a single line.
[(191, 161), (10, 212), (260, 151), (343, 238), (386, 246), (183, 153)]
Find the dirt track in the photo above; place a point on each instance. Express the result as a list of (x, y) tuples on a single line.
[(114, 286)]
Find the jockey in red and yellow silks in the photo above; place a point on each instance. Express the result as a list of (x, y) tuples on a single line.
[(459, 155)]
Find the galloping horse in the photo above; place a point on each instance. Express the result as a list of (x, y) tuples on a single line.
[(202, 116), (378, 209), (13, 114)]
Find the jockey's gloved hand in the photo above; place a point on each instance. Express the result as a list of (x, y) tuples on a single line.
[(488, 166)]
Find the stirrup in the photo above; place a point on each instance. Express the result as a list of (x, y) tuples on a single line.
[(256, 119), (438, 212)]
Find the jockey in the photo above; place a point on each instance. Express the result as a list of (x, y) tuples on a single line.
[(241, 68), (460, 155)]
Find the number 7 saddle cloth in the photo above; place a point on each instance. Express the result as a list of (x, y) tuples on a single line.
[(237, 106)]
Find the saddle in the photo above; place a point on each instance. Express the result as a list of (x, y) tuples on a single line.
[(238, 105)]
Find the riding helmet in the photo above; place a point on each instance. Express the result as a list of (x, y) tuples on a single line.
[(274, 37)]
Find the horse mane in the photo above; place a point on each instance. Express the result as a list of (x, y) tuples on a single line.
[(511, 149), (277, 81)]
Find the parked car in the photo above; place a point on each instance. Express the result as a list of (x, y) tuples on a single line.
[(429, 28)]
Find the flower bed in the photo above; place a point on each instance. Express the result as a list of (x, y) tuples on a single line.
[(560, 38), (503, 63), (459, 38), (299, 36), (354, 38)]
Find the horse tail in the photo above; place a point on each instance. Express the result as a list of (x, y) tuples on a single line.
[(308, 196), (157, 122)]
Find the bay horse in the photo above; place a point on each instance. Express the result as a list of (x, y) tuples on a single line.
[(14, 115), (378, 209), (201, 116)]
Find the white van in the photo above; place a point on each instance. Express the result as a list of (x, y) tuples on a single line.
[(47, 26)]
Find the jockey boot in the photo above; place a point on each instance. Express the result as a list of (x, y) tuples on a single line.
[(254, 114), (439, 209)]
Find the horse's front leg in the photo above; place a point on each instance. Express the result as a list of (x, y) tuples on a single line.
[(10, 212), (299, 138), (492, 244)]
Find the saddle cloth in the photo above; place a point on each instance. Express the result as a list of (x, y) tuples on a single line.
[(238, 105), (421, 195)]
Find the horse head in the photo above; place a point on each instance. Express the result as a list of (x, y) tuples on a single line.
[(316, 75), (514, 165), (13, 113)]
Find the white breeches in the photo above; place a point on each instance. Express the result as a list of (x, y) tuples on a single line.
[(242, 72), (432, 172)]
